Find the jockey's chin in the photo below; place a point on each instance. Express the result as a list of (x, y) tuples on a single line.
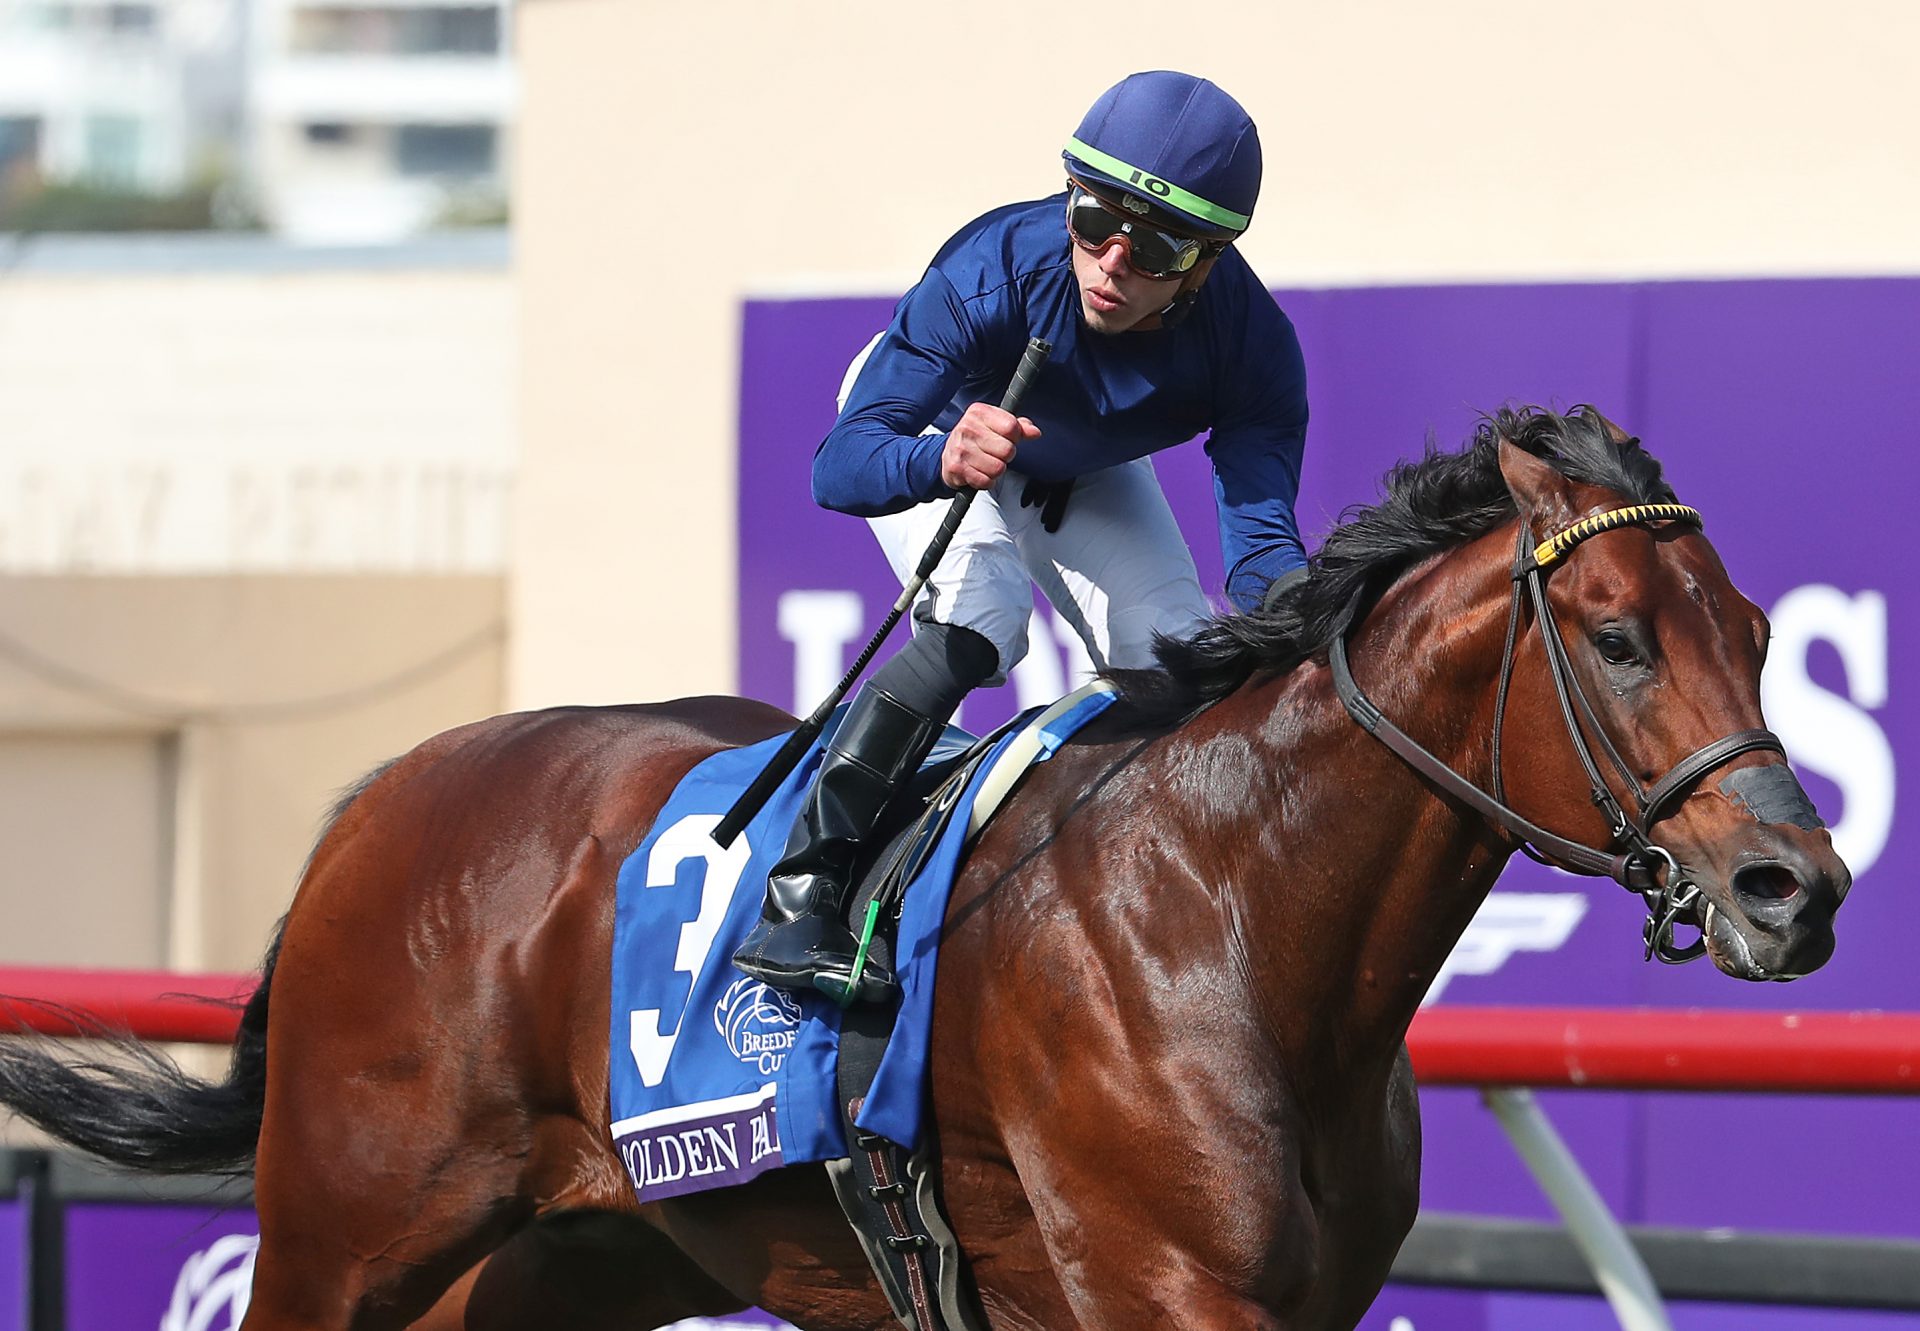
[(1113, 297)]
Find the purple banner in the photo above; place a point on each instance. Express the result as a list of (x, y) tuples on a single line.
[(143, 1265), (1400, 1308), (1785, 411), (190, 1268), (13, 1266), (177, 1268)]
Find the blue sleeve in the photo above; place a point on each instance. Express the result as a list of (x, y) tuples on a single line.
[(875, 460), (1256, 450)]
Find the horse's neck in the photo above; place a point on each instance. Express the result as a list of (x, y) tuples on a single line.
[(1375, 876)]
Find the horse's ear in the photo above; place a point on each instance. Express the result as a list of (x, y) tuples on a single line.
[(1619, 437), (1537, 486)]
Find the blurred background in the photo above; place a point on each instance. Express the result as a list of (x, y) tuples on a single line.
[(368, 368), (257, 442)]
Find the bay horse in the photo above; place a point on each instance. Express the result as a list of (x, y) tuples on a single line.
[(1169, 1076)]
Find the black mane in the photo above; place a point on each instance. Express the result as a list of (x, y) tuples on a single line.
[(1443, 500)]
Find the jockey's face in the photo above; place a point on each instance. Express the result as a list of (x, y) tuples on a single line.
[(1115, 299)]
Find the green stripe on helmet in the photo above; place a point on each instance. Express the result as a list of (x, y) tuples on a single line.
[(1164, 190)]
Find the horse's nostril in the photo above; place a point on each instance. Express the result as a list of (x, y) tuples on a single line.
[(1768, 882)]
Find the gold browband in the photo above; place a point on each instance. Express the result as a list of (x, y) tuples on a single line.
[(1555, 548)]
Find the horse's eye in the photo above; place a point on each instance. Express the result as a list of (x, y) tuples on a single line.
[(1616, 648)]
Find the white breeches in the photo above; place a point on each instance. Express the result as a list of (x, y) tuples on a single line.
[(1117, 570)]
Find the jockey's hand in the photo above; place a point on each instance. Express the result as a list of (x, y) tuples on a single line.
[(980, 446)]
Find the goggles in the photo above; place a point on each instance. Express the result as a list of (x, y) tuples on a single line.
[(1151, 252)]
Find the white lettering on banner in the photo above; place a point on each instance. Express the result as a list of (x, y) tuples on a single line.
[(1506, 923), (1828, 733), (214, 1287), (696, 1151), (689, 839), (820, 625)]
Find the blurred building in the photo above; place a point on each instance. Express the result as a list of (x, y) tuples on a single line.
[(327, 121), (133, 94), (373, 121)]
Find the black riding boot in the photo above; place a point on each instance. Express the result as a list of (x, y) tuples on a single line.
[(802, 940)]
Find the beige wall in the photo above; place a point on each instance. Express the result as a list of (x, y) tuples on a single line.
[(180, 739), (212, 405), (252, 354), (674, 158), (86, 819)]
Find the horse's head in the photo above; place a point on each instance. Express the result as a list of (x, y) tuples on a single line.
[(1667, 654)]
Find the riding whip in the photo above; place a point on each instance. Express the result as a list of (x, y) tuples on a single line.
[(783, 762)]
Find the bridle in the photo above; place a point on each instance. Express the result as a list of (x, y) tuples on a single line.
[(1631, 857)]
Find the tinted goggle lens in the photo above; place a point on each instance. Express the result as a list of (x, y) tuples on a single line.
[(1150, 251)]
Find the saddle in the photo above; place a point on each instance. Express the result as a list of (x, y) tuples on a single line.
[(890, 1194)]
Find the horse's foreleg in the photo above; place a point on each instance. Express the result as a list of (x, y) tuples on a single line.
[(1116, 1287), (1165, 1190)]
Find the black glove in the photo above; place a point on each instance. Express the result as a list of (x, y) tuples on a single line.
[(1051, 497)]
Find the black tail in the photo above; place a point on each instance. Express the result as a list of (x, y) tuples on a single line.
[(140, 1110)]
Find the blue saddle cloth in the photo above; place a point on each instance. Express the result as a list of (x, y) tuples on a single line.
[(715, 1077)]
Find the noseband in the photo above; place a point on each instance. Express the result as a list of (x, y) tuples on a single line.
[(1631, 857)]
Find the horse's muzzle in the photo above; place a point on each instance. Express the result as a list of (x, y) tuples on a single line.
[(1775, 919)]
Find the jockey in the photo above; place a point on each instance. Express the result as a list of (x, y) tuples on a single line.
[(1160, 332)]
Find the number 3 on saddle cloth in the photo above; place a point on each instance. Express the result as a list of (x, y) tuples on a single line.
[(717, 1078)]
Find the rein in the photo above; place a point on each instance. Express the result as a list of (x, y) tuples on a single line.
[(1631, 857)]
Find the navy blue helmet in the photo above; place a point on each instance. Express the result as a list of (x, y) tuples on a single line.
[(1174, 148)]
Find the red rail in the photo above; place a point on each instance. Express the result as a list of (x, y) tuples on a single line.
[(1617, 1048), (155, 1005), (1648, 1049)]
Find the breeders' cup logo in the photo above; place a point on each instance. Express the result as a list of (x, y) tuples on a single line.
[(758, 1023), (214, 1286)]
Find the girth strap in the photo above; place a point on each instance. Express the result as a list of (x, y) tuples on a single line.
[(891, 1195)]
